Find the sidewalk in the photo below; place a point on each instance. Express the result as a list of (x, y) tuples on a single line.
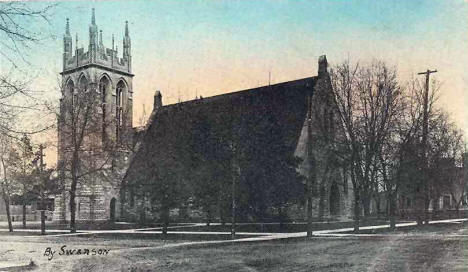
[(255, 237), (269, 235)]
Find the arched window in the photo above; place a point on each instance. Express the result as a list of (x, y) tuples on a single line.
[(119, 106), (83, 84), (104, 85), (70, 91)]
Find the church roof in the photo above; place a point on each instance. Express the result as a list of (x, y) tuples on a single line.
[(275, 108)]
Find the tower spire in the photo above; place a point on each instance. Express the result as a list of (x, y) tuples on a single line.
[(67, 28), (93, 17), (127, 56), (93, 36), (67, 39), (67, 45)]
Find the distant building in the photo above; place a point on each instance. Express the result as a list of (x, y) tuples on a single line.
[(448, 188)]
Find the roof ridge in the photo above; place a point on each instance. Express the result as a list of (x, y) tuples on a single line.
[(230, 94)]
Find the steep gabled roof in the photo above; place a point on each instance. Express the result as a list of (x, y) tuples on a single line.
[(280, 107)]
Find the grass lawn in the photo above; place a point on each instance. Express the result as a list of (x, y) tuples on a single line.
[(158, 236), (148, 252), (439, 228), (277, 228), (29, 233), (392, 253)]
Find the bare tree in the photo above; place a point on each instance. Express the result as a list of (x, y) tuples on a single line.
[(8, 158), (16, 28), (45, 186), (398, 155), (83, 152), (19, 31), (22, 172), (366, 99)]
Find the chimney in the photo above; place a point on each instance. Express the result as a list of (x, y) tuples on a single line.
[(157, 100), (322, 65)]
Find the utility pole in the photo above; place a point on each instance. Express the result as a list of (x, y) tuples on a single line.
[(235, 176), (233, 216), (424, 147), (310, 180), (41, 171), (41, 157)]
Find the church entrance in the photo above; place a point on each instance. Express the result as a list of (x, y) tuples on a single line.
[(112, 209), (334, 200)]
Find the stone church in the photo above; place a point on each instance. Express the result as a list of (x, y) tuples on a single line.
[(302, 110)]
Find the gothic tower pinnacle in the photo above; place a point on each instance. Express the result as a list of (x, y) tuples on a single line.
[(127, 47), (67, 44), (93, 36)]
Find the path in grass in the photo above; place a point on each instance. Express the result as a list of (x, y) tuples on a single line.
[(149, 240), (391, 253)]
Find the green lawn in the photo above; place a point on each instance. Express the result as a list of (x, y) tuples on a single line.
[(438, 228), (404, 251), (284, 228), (393, 253)]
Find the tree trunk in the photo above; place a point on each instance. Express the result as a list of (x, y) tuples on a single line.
[(43, 222), (6, 197), (208, 216), (24, 216), (281, 218), (143, 216), (72, 210), (7, 208), (366, 204), (322, 201), (357, 210), (222, 215), (426, 210), (165, 218), (309, 213), (387, 209), (392, 205), (377, 204)]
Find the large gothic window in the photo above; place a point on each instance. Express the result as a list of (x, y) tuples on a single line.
[(83, 84), (104, 86), (70, 91), (121, 89)]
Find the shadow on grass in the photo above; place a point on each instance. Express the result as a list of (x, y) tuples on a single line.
[(167, 237), (438, 228), (29, 267), (29, 233)]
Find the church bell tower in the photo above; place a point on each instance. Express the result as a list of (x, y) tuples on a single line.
[(102, 70)]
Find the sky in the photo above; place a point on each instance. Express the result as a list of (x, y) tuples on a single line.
[(189, 48)]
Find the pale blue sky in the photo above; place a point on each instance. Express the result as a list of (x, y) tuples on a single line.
[(212, 47)]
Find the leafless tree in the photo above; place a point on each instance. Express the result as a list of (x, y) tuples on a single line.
[(8, 158), (22, 172), (398, 155), (366, 98), (445, 159), (84, 155), (17, 31)]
